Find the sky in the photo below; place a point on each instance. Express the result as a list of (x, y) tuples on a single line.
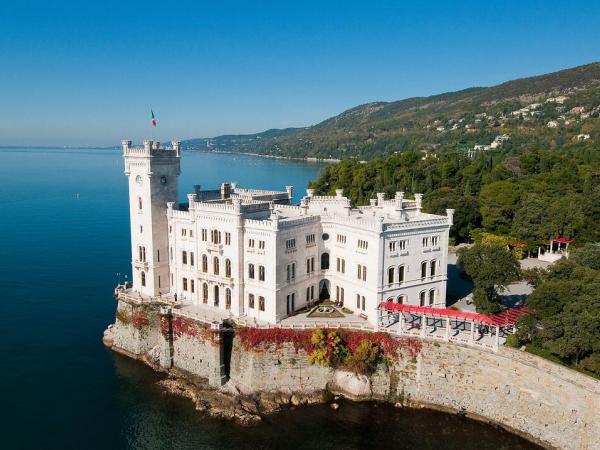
[(88, 72)]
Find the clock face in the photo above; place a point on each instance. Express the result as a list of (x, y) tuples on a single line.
[(138, 179), (163, 180)]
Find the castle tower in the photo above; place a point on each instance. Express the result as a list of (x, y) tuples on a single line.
[(153, 175)]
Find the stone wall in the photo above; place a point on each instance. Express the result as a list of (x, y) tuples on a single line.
[(272, 368), (549, 403), (136, 329)]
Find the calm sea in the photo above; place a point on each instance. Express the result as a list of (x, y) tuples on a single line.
[(64, 235)]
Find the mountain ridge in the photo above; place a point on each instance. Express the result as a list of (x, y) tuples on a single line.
[(380, 128)]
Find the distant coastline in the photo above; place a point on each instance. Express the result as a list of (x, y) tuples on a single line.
[(308, 159)]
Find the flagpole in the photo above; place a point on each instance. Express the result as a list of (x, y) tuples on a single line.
[(151, 129)]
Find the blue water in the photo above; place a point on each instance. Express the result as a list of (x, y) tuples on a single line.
[(64, 235)]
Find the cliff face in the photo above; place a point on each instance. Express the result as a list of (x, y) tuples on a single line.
[(541, 400)]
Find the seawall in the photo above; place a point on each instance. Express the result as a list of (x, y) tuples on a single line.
[(547, 403)]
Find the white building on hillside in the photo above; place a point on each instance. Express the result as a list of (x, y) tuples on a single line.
[(252, 254)]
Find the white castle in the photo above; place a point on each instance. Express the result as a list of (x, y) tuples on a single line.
[(251, 254)]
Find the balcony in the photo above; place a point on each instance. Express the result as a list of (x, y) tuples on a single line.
[(214, 248), (143, 265)]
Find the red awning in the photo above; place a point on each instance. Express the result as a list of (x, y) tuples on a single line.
[(562, 240), (507, 317)]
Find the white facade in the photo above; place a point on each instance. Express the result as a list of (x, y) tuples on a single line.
[(253, 254)]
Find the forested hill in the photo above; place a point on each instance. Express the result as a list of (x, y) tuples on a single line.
[(548, 111)]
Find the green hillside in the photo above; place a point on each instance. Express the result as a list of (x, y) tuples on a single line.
[(456, 120)]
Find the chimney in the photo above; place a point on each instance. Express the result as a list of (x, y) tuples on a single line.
[(418, 202), (399, 197), (225, 191), (450, 215), (290, 192), (191, 199)]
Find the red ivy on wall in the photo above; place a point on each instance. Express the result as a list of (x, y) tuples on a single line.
[(184, 326), (256, 339), (139, 319)]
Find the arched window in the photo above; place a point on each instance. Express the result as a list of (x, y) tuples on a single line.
[(251, 271), (424, 269), (400, 299), (228, 268), (432, 268), (261, 273), (391, 271), (422, 298), (216, 265), (431, 297), (143, 278), (204, 263), (325, 261), (228, 298), (390, 300), (139, 202), (216, 299), (204, 293), (401, 271)]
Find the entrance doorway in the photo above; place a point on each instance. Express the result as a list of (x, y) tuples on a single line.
[(324, 290)]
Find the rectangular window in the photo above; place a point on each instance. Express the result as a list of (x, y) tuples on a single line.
[(434, 240), (184, 257), (183, 232), (343, 266), (251, 271), (191, 258), (227, 238), (402, 244), (192, 286), (261, 303), (392, 246), (261, 273), (159, 281), (341, 239), (251, 243), (251, 301), (261, 245), (312, 292), (157, 255), (307, 294), (290, 244), (191, 233), (204, 234), (310, 239), (357, 301), (426, 242), (308, 266), (363, 245), (185, 284), (293, 271), (364, 274), (312, 264), (359, 272), (363, 302)]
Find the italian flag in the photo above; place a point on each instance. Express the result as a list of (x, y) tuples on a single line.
[(153, 119)]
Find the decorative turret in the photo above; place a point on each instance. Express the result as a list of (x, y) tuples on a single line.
[(450, 215)]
